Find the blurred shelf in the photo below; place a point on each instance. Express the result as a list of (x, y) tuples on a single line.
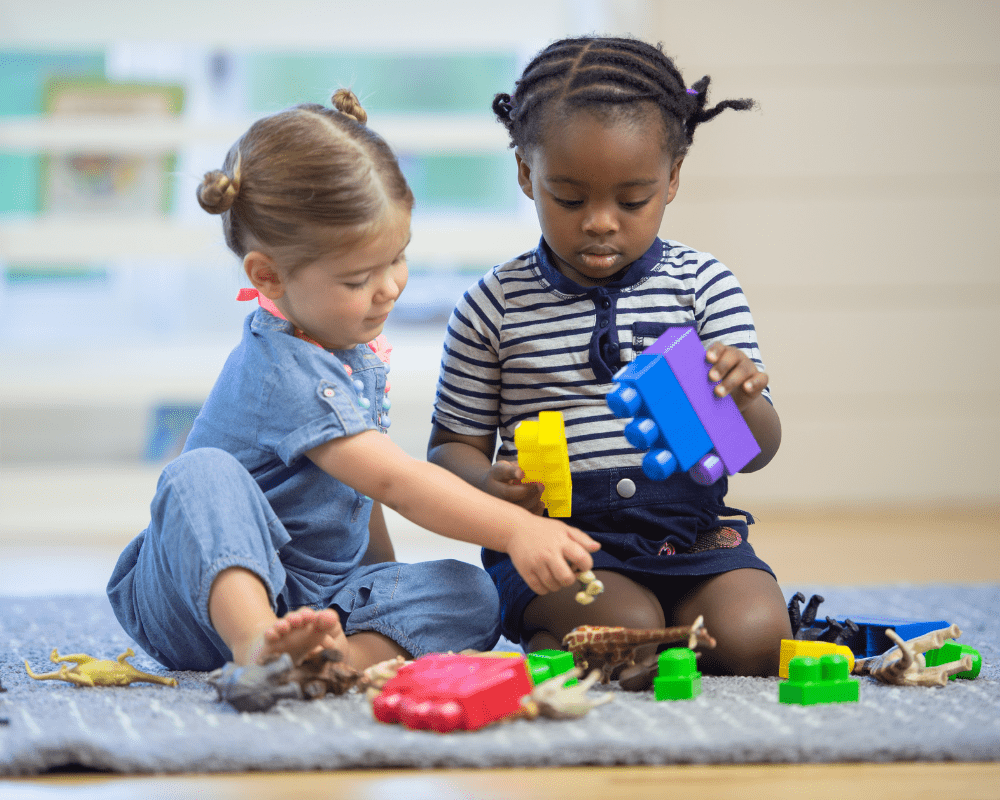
[(446, 240), (407, 133)]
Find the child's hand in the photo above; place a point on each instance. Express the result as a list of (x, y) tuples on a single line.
[(549, 554), (739, 376), (504, 481)]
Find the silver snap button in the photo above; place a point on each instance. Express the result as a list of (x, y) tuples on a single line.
[(328, 392), (626, 487)]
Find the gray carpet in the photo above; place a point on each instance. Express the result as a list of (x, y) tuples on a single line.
[(154, 729)]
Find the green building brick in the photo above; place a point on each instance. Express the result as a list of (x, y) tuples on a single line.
[(811, 681), (952, 651), (677, 678), (545, 664)]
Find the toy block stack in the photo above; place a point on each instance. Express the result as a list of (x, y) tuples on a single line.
[(824, 680), (676, 415), (677, 677), (543, 456)]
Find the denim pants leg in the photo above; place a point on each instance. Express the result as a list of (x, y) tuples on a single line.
[(428, 607), (208, 514)]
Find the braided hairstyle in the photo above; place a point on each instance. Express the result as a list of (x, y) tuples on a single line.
[(611, 77), (304, 180)]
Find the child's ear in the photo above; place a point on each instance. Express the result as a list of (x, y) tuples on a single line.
[(523, 172), (675, 179), (263, 274)]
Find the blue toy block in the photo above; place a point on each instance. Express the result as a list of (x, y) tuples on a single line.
[(677, 416), (719, 416), (870, 640), (664, 421)]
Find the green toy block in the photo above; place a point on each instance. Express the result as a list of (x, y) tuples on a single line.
[(677, 677), (952, 651), (545, 664), (824, 680)]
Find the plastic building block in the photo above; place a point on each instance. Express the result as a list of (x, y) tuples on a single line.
[(446, 692), (870, 640), (953, 651), (719, 416), (543, 455), (545, 664), (824, 680), (793, 648), (678, 679), (676, 415)]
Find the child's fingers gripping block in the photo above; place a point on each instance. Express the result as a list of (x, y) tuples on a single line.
[(543, 455), (676, 415)]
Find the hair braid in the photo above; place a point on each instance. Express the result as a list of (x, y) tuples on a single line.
[(608, 75)]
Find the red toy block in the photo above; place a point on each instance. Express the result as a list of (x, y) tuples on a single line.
[(446, 692)]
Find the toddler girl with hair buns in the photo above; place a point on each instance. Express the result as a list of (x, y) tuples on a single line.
[(267, 534)]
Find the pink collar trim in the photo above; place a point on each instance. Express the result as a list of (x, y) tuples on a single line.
[(379, 345)]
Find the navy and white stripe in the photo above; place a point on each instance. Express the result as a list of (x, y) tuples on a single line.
[(526, 339)]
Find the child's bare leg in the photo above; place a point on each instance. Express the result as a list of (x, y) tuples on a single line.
[(241, 614), (746, 613), (366, 648), (624, 603)]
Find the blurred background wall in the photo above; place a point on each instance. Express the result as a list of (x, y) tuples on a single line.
[(858, 207)]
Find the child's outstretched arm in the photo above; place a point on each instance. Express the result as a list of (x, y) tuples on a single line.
[(546, 552), (471, 458), (741, 379)]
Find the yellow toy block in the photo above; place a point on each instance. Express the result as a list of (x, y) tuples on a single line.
[(791, 648), (543, 456)]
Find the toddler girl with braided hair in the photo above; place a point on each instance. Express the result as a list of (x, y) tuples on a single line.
[(267, 534), (600, 128)]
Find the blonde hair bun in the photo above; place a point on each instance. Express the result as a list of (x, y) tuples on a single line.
[(346, 102), (218, 191)]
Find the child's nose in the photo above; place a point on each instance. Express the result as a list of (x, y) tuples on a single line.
[(600, 221), (392, 283)]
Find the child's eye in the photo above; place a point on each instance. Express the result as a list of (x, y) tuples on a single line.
[(359, 285), (568, 203), (634, 205)]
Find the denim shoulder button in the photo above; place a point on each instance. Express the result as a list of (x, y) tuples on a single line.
[(626, 487)]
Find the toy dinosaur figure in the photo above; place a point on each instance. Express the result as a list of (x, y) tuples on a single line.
[(805, 629), (88, 671), (904, 664), (608, 648), (257, 687)]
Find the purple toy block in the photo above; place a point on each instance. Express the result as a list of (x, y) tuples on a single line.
[(719, 416), (664, 421)]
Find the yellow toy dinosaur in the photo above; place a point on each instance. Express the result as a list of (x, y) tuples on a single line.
[(91, 672)]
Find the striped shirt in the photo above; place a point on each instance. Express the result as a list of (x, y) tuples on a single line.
[(526, 339)]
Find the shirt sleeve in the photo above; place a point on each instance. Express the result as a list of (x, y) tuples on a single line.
[(310, 404), (467, 401), (723, 313)]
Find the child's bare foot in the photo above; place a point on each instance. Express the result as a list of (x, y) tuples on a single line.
[(299, 633)]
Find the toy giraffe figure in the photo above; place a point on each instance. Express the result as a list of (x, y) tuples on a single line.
[(608, 648), (88, 671)]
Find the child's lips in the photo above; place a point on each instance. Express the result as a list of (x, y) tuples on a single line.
[(599, 257)]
